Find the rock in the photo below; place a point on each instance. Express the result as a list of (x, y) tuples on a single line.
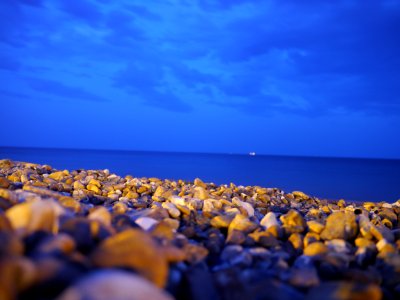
[(339, 246), (246, 206), (340, 225), (300, 195), (61, 243), (134, 249), (4, 183), (17, 274), (235, 237), (304, 277), (101, 214), (315, 226), (297, 241), (316, 248), (269, 220), (363, 242), (235, 255), (200, 193), (113, 284), (36, 215), (208, 206), (172, 210), (93, 188), (146, 223), (293, 222), (342, 290), (242, 223), (365, 256), (195, 253), (309, 238), (58, 175), (366, 227), (221, 221), (200, 183)]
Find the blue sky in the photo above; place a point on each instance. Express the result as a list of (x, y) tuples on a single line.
[(276, 77)]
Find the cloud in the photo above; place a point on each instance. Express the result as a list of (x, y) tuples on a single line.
[(59, 89), (309, 57)]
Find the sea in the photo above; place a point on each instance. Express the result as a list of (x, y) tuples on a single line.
[(352, 179)]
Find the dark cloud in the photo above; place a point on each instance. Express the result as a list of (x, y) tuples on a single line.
[(148, 84), (338, 55), (59, 89)]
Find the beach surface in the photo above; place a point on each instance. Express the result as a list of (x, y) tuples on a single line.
[(91, 234)]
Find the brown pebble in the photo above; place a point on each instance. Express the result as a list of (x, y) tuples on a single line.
[(134, 249)]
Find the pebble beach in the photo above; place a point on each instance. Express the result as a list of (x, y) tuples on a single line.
[(94, 235)]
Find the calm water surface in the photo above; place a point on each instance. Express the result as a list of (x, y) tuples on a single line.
[(332, 178)]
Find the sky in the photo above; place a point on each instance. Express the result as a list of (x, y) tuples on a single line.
[(314, 78)]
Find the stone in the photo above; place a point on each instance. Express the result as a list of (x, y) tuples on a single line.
[(17, 274), (221, 221), (208, 206), (269, 220), (304, 277), (235, 255), (114, 284), (296, 239), (195, 253), (340, 225), (293, 221), (134, 249), (300, 195), (36, 215), (317, 248), (101, 214), (58, 175), (62, 243), (315, 226), (200, 193), (4, 183), (172, 210), (363, 242), (248, 208), (242, 223), (310, 237), (146, 222), (339, 246), (366, 227), (93, 188)]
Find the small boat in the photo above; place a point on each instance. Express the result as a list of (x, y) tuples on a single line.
[(252, 153)]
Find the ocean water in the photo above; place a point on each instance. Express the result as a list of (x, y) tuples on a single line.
[(326, 178)]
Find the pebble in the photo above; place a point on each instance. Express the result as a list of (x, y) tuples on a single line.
[(133, 249), (113, 284), (317, 248), (69, 234), (340, 225), (293, 221)]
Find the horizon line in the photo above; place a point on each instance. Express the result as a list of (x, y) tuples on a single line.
[(204, 153)]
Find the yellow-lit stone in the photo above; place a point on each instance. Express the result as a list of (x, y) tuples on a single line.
[(316, 248), (134, 249)]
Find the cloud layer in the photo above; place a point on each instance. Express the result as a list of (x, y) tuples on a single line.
[(306, 57)]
